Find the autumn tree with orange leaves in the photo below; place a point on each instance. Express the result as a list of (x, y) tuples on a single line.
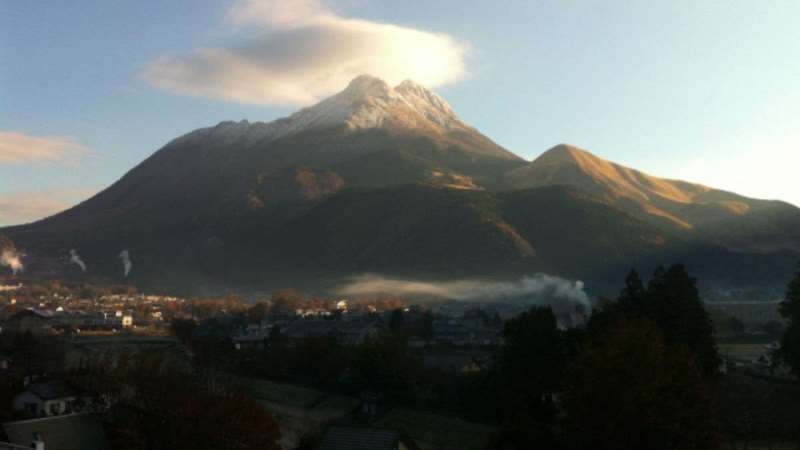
[(149, 403), (633, 391)]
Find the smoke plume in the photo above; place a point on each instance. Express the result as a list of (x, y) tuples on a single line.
[(12, 259), (125, 256), (75, 258), (538, 289)]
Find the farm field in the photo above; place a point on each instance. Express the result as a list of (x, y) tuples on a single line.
[(301, 411)]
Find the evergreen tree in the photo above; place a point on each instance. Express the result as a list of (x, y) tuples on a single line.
[(674, 304), (531, 364), (605, 315), (631, 299), (790, 310), (629, 305), (397, 320)]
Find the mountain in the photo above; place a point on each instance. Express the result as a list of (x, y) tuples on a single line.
[(390, 179), (6, 243), (368, 135), (725, 218), (436, 229)]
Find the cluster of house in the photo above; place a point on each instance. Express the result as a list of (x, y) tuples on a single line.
[(10, 287), (472, 329), (350, 330), (110, 313), (47, 321)]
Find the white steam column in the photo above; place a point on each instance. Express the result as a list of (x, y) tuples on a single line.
[(75, 258), (125, 256), (12, 259)]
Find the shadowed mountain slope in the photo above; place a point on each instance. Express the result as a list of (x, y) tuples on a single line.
[(380, 178)]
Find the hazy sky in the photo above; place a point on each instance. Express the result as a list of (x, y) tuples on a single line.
[(707, 91)]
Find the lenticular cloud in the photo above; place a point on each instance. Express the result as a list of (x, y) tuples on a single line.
[(298, 52)]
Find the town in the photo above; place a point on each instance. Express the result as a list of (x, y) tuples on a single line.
[(325, 368), (75, 324)]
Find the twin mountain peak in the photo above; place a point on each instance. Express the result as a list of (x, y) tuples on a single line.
[(380, 176), (454, 154)]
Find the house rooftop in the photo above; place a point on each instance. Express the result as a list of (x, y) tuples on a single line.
[(51, 390)]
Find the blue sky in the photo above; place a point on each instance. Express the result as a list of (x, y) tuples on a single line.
[(707, 91)]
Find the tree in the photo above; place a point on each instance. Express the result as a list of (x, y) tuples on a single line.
[(183, 329), (384, 363), (736, 325), (35, 355), (425, 328), (258, 312), (790, 310), (285, 301), (275, 336), (674, 304), (531, 364), (633, 391), (632, 298), (396, 320), (774, 328), (150, 403), (631, 303), (235, 421), (8, 387)]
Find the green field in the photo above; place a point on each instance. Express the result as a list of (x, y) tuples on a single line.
[(301, 411)]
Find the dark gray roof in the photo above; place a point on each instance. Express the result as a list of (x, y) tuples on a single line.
[(51, 390), (357, 438), (309, 328), (69, 432), (321, 328)]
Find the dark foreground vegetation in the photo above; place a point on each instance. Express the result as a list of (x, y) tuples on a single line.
[(643, 373)]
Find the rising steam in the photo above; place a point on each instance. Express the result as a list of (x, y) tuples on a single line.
[(125, 256), (75, 258), (12, 259), (538, 289)]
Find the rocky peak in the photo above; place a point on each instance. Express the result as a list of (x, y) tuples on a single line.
[(369, 102), (368, 86), (563, 153)]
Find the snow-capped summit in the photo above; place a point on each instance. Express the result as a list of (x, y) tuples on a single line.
[(368, 86), (428, 103), (369, 102)]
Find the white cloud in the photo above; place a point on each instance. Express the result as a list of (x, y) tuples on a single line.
[(19, 148), (28, 206), (301, 52), (277, 13)]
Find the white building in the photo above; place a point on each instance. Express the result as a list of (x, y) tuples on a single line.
[(46, 399)]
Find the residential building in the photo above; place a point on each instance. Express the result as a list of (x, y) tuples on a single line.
[(46, 399)]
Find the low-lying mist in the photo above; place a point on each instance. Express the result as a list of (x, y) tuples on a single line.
[(535, 289)]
